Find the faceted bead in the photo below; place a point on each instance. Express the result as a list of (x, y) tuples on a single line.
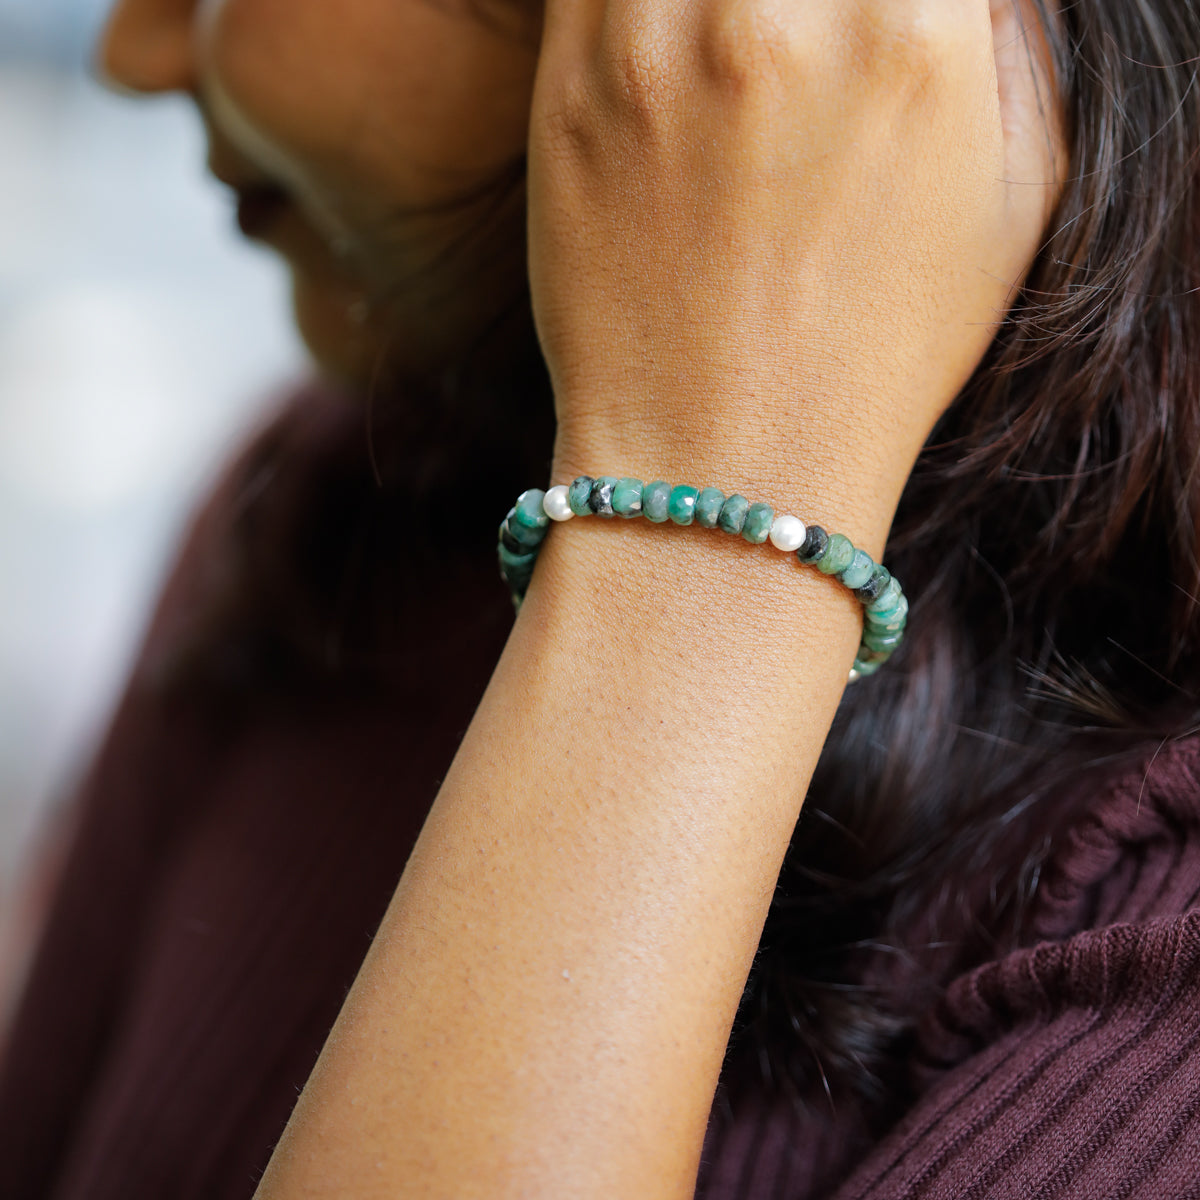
[(528, 510), (859, 570), (627, 498), (896, 618), (893, 615), (838, 555), (708, 507), (787, 533), (681, 507), (656, 497), (523, 534), (733, 514), (578, 494), (815, 541), (880, 578), (759, 518), (600, 497), (557, 504)]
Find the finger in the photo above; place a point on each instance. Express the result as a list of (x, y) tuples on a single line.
[(1031, 107)]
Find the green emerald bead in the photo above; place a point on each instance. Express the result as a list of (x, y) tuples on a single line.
[(708, 507), (838, 555), (528, 510), (733, 514), (578, 495), (863, 667), (525, 535), (859, 570), (627, 498), (656, 500), (759, 519), (887, 599), (897, 626), (681, 507), (889, 618), (881, 641)]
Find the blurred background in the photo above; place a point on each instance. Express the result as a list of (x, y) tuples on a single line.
[(139, 338)]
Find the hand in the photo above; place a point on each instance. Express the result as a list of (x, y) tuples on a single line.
[(770, 238)]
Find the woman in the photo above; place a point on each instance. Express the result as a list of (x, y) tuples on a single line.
[(771, 248)]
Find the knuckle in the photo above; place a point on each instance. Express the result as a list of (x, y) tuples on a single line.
[(569, 118), (639, 69), (903, 43), (748, 47)]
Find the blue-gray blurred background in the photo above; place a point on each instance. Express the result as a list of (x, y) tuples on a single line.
[(139, 338)]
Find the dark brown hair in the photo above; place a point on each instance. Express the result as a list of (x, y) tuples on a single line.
[(1048, 536)]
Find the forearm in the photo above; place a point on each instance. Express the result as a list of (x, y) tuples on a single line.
[(762, 241), (547, 1003)]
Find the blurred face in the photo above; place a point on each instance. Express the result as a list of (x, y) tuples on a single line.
[(376, 144)]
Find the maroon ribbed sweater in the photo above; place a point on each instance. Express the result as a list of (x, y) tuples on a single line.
[(230, 866)]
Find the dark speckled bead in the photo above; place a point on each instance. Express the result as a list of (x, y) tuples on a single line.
[(510, 543), (815, 541), (757, 525), (627, 498), (870, 590), (578, 493), (601, 495), (656, 498), (681, 507), (838, 555), (708, 507), (733, 514)]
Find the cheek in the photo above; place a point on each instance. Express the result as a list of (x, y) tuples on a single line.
[(407, 97), (278, 73)]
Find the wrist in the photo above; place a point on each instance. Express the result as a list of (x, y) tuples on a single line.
[(848, 488), (706, 622)]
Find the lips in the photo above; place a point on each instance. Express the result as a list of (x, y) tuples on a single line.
[(259, 208)]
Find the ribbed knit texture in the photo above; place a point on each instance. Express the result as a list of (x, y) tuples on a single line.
[(1069, 1068), (230, 868)]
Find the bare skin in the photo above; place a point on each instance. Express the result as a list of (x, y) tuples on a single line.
[(747, 219)]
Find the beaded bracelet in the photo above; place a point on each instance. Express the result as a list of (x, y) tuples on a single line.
[(885, 607)]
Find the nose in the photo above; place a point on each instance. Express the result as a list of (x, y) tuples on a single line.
[(147, 45)]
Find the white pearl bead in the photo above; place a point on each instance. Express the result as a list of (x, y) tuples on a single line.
[(556, 505), (787, 533)]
